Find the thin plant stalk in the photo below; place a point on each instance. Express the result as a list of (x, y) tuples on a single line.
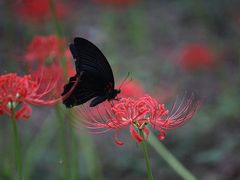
[(58, 31), (74, 155), (16, 144), (63, 146), (60, 113), (145, 152), (55, 19), (170, 158), (95, 171), (40, 142), (90, 157)]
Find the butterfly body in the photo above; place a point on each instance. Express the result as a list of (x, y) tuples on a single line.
[(93, 79)]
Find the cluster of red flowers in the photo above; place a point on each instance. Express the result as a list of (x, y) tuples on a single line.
[(38, 10), (197, 56), (44, 85), (17, 92), (137, 114)]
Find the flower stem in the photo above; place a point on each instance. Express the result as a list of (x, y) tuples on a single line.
[(145, 152), (169, 158), (61, 114), (38, 143), (17, 145), (63, 146), (55, 19), (90, 158), (74, 154)]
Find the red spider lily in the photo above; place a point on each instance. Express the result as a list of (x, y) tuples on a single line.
[(115, 2), (197, 56), (38, 10), (44, 50), (138, 115), (130, 88), (44, 55), (46, 74), (182, 111), (18, 92)]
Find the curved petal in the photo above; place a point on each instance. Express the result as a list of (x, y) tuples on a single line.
[(120, 143), (162, 135), (25, 112), (135, 135)]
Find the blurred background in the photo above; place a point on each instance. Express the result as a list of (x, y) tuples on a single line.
[(168, 47)]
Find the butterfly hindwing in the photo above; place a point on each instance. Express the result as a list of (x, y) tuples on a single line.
[(84, 90)]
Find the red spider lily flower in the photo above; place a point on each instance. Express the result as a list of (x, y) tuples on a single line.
[(46, 74), (44, 55), (197, 56), (182, 111), (44, 50), (38, 10), (115, 2), (48, 71), (128, 89), (18, 92), (137, 114), (131, 88)]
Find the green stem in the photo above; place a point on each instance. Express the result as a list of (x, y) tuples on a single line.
[(144, 148), (63, 146), (39, 142), (17, 145), (59, 33), (74, 154), (91, 160), (55, 19), (60, 113), (169, 158)]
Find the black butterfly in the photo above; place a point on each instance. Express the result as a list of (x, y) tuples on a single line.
[(94, 76)]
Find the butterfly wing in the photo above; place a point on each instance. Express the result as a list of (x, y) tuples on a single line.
[(90, 59), (84, 90), (94, 72)]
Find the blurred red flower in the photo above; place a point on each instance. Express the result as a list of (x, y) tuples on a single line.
[(69, 65), (47, 74), (196, 56), (44, 55), (44, 49), (138, 115), (115, 2), (130, 88), (38, 10), (16, 93)]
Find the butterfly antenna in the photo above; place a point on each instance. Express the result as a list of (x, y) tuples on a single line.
[(125, 79)]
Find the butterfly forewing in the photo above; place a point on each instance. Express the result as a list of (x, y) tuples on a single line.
[(90, 59)]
